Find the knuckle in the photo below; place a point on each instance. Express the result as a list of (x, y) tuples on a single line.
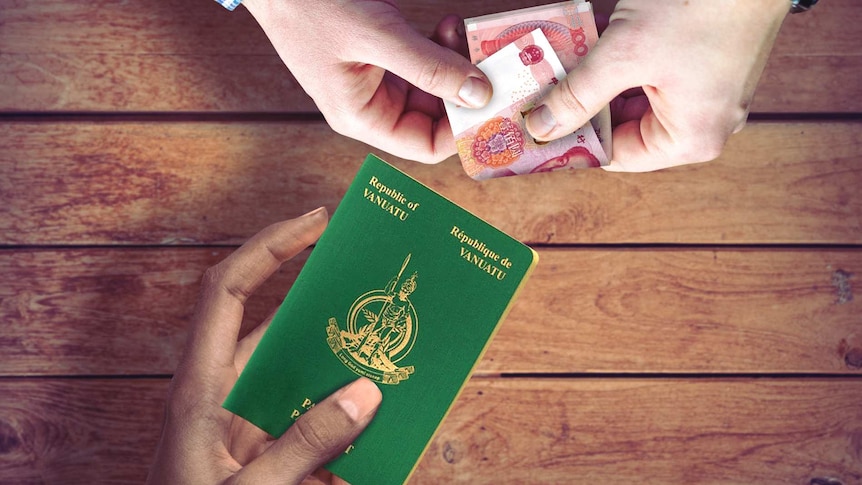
[(736, 112), (177, 409), (212, 277), (696, 149), (432, 75), (705, 138), (570, 100), (182, 401), (739, 115), (431, 158), (340, 128), (744, 107), (345, 123), (336, 121), (316, 438), (219, 278), (428, 158), (712, 148)]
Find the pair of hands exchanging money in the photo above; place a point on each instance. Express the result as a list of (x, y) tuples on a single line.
[(678, 75)]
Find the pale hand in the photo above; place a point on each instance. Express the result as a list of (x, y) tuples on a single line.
[(373, 76), (697, 63)]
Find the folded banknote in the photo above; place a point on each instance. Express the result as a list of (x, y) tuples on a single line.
[(493, 141), (570, 28)]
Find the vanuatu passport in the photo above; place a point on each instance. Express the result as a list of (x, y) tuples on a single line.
[(403, 287)]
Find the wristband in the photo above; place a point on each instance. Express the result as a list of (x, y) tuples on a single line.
[(232, 4), (797, 6)]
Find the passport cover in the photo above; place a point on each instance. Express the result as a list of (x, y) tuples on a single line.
[(403, 287)]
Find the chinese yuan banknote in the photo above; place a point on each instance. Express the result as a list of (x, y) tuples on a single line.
[(493, 141), (570, 28)]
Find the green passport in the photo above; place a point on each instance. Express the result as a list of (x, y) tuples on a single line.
[(403, 287)]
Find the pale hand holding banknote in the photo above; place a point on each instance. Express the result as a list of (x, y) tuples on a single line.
[(493, 141), (518, 51), (570, 28)]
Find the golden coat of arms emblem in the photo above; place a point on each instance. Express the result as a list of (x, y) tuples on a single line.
[(379, 332)]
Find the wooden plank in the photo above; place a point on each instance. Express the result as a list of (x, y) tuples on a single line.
[(648, 431), (149, 82), (76, 432), (193, 27), (125, 311), (499, 431), (148, 56), (831, 73), (202, 183)]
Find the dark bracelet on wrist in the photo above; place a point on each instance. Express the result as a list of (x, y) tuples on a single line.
[(797, 6)]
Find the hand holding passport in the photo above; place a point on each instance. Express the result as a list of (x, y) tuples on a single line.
[(204, 443), (404, 288), (398, 300)]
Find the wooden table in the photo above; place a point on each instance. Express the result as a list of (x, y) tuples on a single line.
[(694, 325)]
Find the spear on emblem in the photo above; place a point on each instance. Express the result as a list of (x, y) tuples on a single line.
[(372, 330), (390, 288)]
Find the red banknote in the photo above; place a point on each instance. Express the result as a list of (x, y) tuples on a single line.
[(570, 28), (493, 141)]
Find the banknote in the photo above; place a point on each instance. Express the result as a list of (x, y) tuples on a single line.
[(493, 141), (570, 28)]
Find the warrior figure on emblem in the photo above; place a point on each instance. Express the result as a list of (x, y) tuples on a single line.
[(389, 331), (383, 334)]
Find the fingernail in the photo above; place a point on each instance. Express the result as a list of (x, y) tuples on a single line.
[(359, 398), (475, 92), (541, 122), (315, 212)]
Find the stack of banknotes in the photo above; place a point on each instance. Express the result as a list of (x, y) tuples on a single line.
[(525, 53)]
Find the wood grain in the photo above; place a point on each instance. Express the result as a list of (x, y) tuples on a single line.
[(499, 431), (125, 311), (204, 183), (744, 266), (649, 431), (79, 432), (148, 56)]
